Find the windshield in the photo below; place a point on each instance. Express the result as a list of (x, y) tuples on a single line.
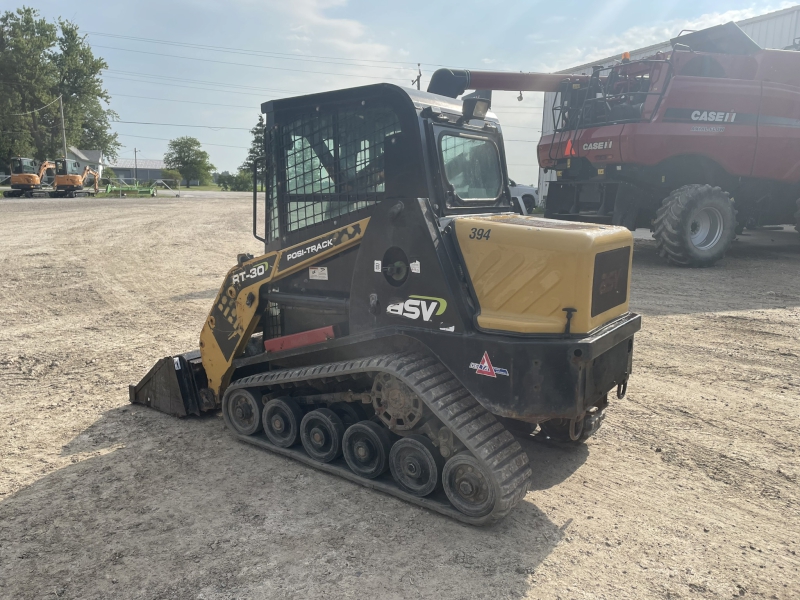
[(72, 167), (472, 167), (22, 165)]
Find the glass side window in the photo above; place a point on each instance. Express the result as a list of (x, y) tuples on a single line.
[(23, 165), (472, 167)]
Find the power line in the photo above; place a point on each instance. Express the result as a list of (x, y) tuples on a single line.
[(30, 112), (144, 137), (180, 125), (249, 66), (184, 101), (230, 85), (188, 87), (255, 52)]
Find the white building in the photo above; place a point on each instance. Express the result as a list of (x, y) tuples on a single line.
[(775, 30), (92, 158)]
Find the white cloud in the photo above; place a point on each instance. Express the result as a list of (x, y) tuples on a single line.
[(642, 36)]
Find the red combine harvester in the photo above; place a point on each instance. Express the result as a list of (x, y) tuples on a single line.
[(695, 144)]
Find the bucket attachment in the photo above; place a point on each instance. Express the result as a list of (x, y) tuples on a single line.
[(174, 386)]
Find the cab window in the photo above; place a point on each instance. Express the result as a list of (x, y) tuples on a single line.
[(472, 168), (23, 165)]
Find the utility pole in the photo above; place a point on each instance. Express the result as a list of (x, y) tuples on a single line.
[(135, 168), (419, 76), (63, 129)]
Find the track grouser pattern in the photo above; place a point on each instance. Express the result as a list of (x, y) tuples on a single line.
[(484, 437)]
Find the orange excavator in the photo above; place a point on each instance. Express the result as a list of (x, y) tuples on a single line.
[(70, 180), (26, 177)]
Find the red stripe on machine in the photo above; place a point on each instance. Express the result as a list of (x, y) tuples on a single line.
[(298, 340)]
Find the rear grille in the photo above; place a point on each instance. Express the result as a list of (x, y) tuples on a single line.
[(610, 284)]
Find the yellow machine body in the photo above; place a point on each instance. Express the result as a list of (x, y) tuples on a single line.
[(526, 270)]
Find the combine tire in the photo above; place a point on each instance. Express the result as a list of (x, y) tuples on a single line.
[(695, 225)]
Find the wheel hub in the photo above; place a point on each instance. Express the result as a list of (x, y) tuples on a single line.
[(317, 437), (412, 468), (277, 424), (243, 411), (363, 451), (706, 227)]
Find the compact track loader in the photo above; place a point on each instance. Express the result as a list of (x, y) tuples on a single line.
[(406, 321)]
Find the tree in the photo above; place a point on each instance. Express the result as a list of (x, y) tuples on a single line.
[(40, 61), (241, 182), (172, 174), (186, 155), (256, 150), (224, 180)]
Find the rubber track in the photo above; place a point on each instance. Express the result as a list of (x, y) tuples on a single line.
[(479, 431), (667, 226)]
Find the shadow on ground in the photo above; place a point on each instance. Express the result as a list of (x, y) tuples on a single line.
[(178, 508), (757, 273)]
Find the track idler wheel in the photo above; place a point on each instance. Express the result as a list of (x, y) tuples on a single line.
[(243, 410), (467, 486), (416, 465), (366, 449), (281, 420), (321, 432)]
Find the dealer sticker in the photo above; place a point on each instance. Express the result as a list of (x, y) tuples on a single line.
[(485, 367)]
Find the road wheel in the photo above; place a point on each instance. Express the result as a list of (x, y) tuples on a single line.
[(416, 465), (366, 449), (281, 420), (321, 432), (467, 486), (243, 410), (695, 225)]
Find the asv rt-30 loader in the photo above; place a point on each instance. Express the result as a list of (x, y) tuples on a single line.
[(405, 318)]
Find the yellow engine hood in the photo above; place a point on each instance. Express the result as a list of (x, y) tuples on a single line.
[(526, 270)]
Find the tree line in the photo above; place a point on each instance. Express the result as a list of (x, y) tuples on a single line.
[(41, 61), (46, 64)]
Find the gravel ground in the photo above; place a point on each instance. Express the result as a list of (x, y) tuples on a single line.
[(690, 489)]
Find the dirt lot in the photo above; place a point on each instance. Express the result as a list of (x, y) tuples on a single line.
[(690, 490)]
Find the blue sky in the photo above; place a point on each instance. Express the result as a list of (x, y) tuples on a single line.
[(302, 46)]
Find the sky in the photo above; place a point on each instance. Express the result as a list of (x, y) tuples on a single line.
[(210, 64)]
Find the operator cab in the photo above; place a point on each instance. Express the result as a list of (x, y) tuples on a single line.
[(67, 167), (21, 166), (338, 152)]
